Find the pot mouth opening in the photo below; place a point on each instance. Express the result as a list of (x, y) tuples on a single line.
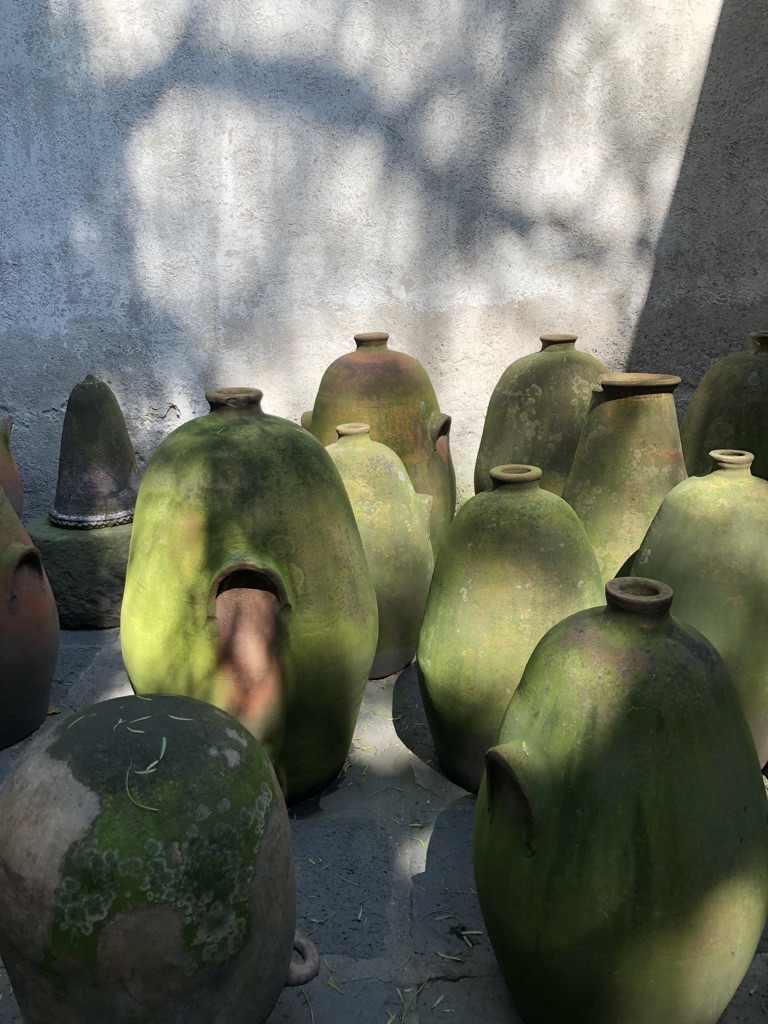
[(759, 337), (637, 380), (515, 473), (557, 339), (368, 338), (353, 429), (233, 398), (638, 594), (731, 458)]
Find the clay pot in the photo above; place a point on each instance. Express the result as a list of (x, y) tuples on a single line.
[(628, 457), (709, 542), (537, 410), (10, 478), (29, 631), (394, 527), (515, 561), (729, 409), (393, 394), (98, 476), (146, 873), (620, 830), (247, 585)]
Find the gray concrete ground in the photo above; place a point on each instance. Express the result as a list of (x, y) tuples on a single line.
[(383, 871)]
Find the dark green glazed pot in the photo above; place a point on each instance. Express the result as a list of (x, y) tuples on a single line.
[(709, 542), (515, 561), (247, 585), (392, 393), (394, 527), (621, 845), (536, 412), (729, 409), (146, 874), (629, 456)]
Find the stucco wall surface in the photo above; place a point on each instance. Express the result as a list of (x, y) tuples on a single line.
[(217, 192)]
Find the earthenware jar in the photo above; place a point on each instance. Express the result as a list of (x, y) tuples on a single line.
[(515, 561), (628, 457), (393, 394), (10, 478), (536, 412), (247, 585), (98, 475), (394, 527), (146, 873), (29, 631), (729, 409), (620, 830), (709, 542)]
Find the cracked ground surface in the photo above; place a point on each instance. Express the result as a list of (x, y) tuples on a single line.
[(383, 871)]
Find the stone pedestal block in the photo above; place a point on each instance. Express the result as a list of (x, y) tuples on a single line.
[(86, 569)]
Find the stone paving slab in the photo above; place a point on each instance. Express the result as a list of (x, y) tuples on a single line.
[(383, 870)]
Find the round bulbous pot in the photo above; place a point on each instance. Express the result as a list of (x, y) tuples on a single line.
[(247, 585), (620, 830), (392, 392), (536, 412), (628, 458), (146, 873), (394, 527), (516, 561), (729, 409), (10, 478), (29, 631), (709, 542)]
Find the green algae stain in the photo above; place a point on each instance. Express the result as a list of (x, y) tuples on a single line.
[(213, 792)]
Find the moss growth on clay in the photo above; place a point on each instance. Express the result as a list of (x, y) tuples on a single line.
[(184, 800)]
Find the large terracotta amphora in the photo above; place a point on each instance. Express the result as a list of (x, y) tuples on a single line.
[(393, 394), (729, 409), (29, 631), (628, 457), (621, 844), (247, 585), (709, 542), (146, 874), (10, 478), (536, 412), (515, 561), (394, 527)]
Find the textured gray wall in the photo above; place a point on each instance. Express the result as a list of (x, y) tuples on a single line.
[(219, 192)]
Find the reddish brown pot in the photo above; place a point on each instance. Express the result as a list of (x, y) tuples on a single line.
[(10, 478), (29, 631)]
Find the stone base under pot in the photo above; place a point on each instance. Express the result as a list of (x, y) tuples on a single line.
[(86, 569)]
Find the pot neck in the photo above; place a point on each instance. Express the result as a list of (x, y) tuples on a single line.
[(759, 340), (350, 434), (638, 596), (618, 385), (731, 460), (558, 342), (242, 399), (515, 477), (371, 340)]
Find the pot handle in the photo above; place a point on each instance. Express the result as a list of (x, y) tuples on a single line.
[(440, 427), (300, 974), (306, 419), (517, 790), (11, 558)]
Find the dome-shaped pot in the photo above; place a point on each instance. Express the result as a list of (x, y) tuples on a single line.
[(729, 409), (537, 410), (247, 585), (29, 631), (620, 830), (146, 873), (393, 394), (628, 457), (709, 542), (394, 527), (515, 561), (10, 478)]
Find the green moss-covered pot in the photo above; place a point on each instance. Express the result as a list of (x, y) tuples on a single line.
[(394, 527), (516, 561), (146, 874), (621, 846), (393, 394), (709, 542), (536, 412), (29, 631), (628, 457), (729, 409), (247, 585)]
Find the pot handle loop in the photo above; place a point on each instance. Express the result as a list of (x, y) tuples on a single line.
[(517, 790), (306, 419), (300, 974), (440, 428)]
